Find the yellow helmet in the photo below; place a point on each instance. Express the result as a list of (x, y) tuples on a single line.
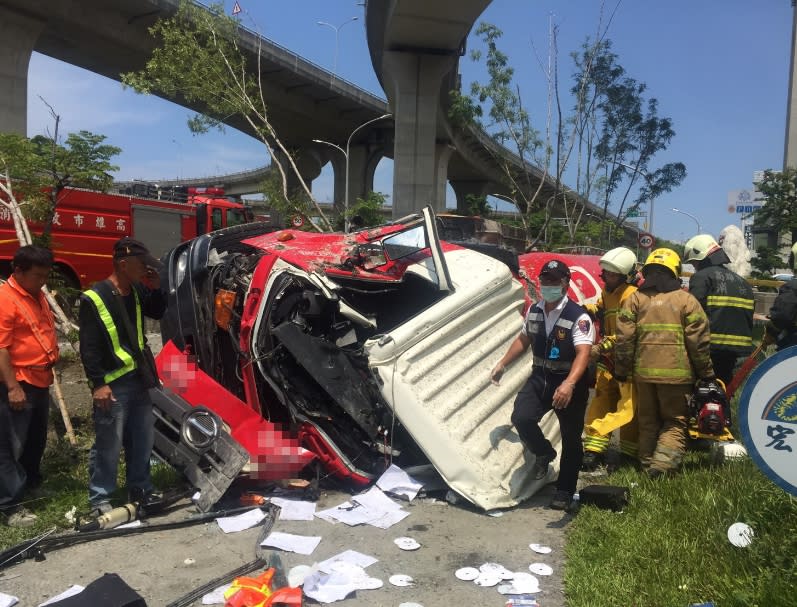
[(699, 247), (667, 258)]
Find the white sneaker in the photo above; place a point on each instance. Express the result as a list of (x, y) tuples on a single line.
[(22, 517)]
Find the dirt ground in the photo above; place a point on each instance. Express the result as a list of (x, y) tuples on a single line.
[(162, 566)]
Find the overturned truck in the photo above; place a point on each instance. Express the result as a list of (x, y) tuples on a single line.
[(357, 350)]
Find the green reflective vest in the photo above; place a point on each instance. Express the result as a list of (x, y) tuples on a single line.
[(125, 358)]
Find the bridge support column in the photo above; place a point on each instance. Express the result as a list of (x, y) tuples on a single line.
[(420, 160), (463, 189), (309, 164), (18, 36)]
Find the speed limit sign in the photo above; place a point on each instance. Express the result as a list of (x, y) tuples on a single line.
[(645, 240), (297, 221)]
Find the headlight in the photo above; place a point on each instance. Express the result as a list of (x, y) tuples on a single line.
[(182, 265)]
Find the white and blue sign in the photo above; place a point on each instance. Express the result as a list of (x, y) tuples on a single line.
[(768, 418)]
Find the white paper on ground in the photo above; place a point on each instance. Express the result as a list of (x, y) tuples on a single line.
[(370, 508), (347, 556), (294, 510), (375, 499), (301, 544), (216, 597), (395, 480), (6, 600), (71, 591), (328, 588), (239, 522)]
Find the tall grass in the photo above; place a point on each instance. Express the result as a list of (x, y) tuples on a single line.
[(670, 547)]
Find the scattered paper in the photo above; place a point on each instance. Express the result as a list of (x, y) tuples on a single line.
[(239, 522), (347, 556), (294, 510), (71, 591), (298, 574), (6, 600), (216, 597), (370, 508), (374, 499), (328, 587), (394, 480), (301, 544)]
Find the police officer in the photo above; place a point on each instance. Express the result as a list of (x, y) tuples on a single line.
[(560, 334), (663, 341), (782, 326), (111, 348), (727, 299)]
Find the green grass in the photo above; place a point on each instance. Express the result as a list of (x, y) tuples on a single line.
[(65, 471), (670, 547)]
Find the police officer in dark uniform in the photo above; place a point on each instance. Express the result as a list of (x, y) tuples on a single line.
[(560, 334), (727, 299), (782, 326)]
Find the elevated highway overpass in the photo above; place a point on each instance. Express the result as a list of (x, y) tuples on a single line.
[(415, 46)]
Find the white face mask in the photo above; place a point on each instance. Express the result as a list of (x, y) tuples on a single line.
[(551, 294)]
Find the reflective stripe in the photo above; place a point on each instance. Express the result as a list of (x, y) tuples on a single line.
[(728, 339), (672, 373), (566, 324), (731, 302), (551, 365), (128, 364)]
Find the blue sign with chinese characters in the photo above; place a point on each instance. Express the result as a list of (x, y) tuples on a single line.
[(768, 417)]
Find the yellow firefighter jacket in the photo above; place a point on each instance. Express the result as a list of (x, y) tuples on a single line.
[(663, 338)]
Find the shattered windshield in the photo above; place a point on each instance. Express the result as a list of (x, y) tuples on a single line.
[(405, 243)]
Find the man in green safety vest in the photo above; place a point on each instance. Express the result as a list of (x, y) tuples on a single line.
[(113, 347)]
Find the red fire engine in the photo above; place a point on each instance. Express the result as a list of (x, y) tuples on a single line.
[(87, 223)]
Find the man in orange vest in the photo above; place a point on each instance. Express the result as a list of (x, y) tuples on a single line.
[(28, 351)]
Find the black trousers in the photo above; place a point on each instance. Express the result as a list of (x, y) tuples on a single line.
[(533, 401), (724, 362)]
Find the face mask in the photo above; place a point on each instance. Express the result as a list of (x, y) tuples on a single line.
[(551, 294)]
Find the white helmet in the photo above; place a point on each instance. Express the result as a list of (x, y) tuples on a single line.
[(699, 247), (620, 261)]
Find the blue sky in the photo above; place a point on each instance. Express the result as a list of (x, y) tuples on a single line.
[(719, 70)]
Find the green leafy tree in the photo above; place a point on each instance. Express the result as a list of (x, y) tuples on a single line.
[(611, 134), (766, 261), (368, 211), (779, 211), (200, 59)]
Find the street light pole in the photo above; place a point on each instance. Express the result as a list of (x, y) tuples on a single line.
[(346, 157), (644, 174), (336, 28), (699, 231)]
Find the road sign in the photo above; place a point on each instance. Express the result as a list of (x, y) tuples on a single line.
[(645, 240), (297, 221)]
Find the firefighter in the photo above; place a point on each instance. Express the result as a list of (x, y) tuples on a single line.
[(782, 326), (111, 348), (612, 406), (28, 351), (560, 334), (663, 341), (727, 299)]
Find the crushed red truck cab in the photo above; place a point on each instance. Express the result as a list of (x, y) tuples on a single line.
[(357, 350)]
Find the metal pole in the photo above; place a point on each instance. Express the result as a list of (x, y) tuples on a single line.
[(337, 39), (346, 154), (699, 231)]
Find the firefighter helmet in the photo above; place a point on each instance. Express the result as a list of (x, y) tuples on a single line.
[(619, 260), (667, 258), (699, 247)]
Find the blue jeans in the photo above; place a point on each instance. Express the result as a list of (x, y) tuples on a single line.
[(23, 436), (130, 424)]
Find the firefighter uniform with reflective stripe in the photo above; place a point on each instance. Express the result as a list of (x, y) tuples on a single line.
[(728, 300), (554, 350), (612, 406), (662, 340), (782, 325)]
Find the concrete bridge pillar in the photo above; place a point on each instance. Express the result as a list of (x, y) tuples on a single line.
[(420, 160), (308, 161), (18, 36), (463, 188)]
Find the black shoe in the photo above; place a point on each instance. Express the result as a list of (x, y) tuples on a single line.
[(561, 500), (148, 502), (591, 461), (541, 463)]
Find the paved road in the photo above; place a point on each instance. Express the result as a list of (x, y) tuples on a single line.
[(451, 537)]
